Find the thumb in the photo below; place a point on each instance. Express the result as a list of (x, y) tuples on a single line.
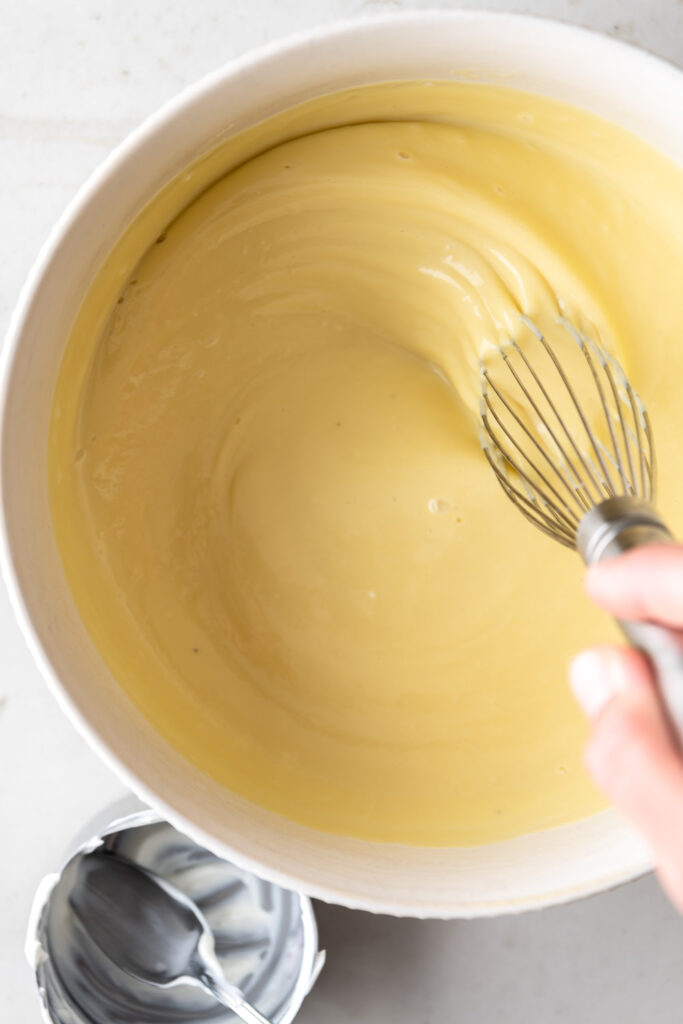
[(631, 754)]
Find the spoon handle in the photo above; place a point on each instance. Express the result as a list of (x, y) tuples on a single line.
[(232, 997)]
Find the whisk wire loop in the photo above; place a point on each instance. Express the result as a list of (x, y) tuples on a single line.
[(556, 449), (584, 463), (567, 462), (626, 477), (518, 447)]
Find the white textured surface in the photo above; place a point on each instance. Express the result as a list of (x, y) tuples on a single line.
[(75, 77)]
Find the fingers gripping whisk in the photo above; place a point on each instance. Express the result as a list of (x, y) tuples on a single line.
[(562, 428)]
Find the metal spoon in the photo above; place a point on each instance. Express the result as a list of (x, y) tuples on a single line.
[(150, 929)]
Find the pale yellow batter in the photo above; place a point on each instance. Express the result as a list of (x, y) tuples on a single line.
[(265, 474)]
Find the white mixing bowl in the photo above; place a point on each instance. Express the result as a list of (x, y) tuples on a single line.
[(625, 85)]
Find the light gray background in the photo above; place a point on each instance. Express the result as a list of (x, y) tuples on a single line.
[(75, 77)]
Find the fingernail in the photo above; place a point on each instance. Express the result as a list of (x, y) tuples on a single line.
[(593, 680)]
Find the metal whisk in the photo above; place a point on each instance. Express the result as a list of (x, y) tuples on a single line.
[(571, 445)]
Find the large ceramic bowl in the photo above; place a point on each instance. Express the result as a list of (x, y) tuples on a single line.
[(622, 84)]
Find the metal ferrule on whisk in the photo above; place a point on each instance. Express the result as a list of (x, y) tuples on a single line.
[(616, 525)]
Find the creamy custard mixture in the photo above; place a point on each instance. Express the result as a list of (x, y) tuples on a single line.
[(265, 474)]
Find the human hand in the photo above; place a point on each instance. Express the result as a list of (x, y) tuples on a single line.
[(631, 753)]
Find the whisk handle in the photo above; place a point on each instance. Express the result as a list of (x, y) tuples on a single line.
[(664, 649), (608, 530)]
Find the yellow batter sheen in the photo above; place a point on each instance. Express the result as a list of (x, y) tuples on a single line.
[(265, 475)]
